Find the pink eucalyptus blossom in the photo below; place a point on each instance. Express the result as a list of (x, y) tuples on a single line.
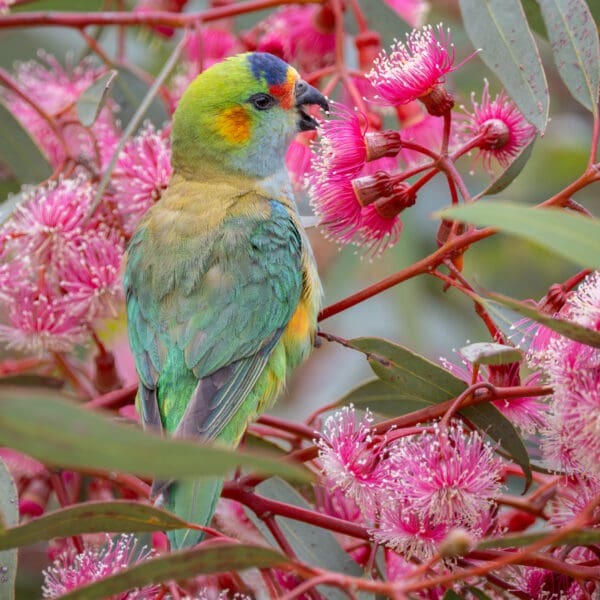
[(415, 69), (91, 276), (352, 458), (299, 157), (346, 142), (409, 533), (541, 584), (40, 320), (411, 11), (141, 176), (301, 35), (49, 219), (503, 130), (71, 571), (447, 476), (572, 497), (55, 89), (204, 48)]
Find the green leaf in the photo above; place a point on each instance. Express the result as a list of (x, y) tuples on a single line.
[(128, 93), (575, 47), (511, 172), (573, 331), (9, 514), (33, 380), (488, 353), (19, 152), (216, 557), (499, 28), (383, 398), (119, 516), (312, 545), (478, 593), (582, 537), (572, 236), (93, 99), (452, 595), (488, 418), (417, 379), (61, 433)]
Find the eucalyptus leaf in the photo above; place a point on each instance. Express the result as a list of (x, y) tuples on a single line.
[(511, 172), (57, 432), (119, 516), (500, 30), (383, 398), (573, 331), (477, 593), (19, 152), (93, 99), (488, 353), (415, 376), (216, 557), (9, 512), (312, 545), (575, 47), (570, 235), (582, 537), (452, 595)]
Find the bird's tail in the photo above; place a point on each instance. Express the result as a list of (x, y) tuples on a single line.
[(193, 500)]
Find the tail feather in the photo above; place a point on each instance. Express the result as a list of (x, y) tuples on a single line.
[(193, 500)]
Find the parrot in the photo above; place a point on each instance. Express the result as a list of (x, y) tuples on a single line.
[(221, 285)]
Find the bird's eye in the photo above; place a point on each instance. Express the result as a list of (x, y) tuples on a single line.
[(262, 101)]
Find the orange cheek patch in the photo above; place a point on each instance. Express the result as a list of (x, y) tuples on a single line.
[(234, 124)]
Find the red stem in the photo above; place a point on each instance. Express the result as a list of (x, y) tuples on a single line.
[(150, 18), (265, 506)]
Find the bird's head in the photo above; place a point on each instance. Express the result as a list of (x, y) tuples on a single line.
[(241, 114)]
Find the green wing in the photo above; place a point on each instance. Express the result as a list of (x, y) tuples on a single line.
[(204, 319)]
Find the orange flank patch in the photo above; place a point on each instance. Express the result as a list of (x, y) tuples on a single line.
[(234, 124), (298, 326)]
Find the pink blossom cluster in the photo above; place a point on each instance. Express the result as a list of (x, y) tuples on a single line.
[(571, 434), (412, 492), (72, 570), (353, 183), (62, 247)]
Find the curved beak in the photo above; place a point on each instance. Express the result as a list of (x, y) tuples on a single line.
[(305, 95)]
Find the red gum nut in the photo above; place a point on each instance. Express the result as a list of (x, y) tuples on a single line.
[(368, 44)]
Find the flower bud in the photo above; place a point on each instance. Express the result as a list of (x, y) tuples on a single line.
[(458, 542)]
